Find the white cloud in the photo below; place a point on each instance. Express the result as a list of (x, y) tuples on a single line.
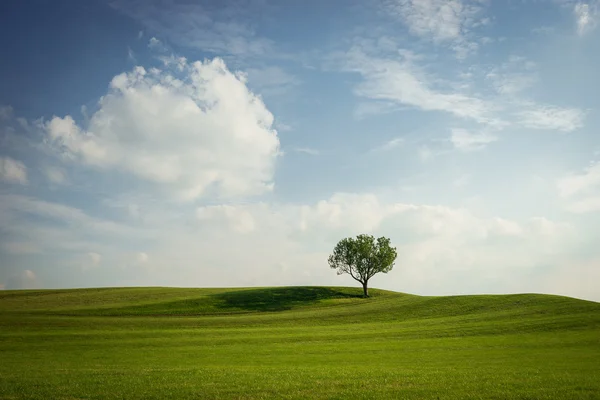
[(577, 278), (465, 141), (370, 108), (348, 211), (582, 190), (223, 30), (462, 181), (131, 55), (156, 44), (580, 183), (440, 21), (402, 82), (513, 76), (271, 80), (390, 144), (586, 15), (207, 135), (16, 209), (441, 249), (282, 127), (549, 117), (56, 175), (240, 220), (586, 205), (307, 150), (425, 153), (12, 171)]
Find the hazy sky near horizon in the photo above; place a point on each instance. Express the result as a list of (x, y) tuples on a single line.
[(233, 143)]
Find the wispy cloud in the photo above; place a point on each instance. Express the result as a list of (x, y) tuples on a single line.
[(465, 141), (389, 145), (307, 150), (12, 171), (586, 15), (441, 21), (20, 247), (580, 183), (225, 30), (271, 81), (582, 190), (512, 76), (373, 108), (6, 112), (401, 81), (549, 117), (56, 175), (586, 205), (17, 206)]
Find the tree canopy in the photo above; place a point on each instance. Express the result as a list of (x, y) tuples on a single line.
[(362, 257)]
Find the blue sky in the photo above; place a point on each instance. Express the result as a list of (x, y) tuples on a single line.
[(212, 143)]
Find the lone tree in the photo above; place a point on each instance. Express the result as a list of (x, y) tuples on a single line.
[(363, 257)]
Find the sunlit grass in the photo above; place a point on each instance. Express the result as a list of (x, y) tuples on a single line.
[(298, 342)]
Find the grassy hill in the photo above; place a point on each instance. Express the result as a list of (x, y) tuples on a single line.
[(295, 342)]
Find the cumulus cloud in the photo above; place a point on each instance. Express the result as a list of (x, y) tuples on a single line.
[(201, 134), (441, 249), (12, 171), (465, 141)]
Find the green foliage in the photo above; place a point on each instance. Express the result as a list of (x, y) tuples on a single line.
[(363, 257), (295, 343)]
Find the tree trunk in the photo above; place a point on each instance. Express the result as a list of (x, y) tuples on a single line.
[(365, 289)]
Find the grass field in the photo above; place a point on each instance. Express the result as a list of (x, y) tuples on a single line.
[(295, 342)]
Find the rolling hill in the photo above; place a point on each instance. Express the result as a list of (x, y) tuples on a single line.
[(295, 342)]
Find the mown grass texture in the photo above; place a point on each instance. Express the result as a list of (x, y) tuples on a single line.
[(295, 342)]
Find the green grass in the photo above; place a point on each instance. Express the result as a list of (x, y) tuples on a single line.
[(295, 342)]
